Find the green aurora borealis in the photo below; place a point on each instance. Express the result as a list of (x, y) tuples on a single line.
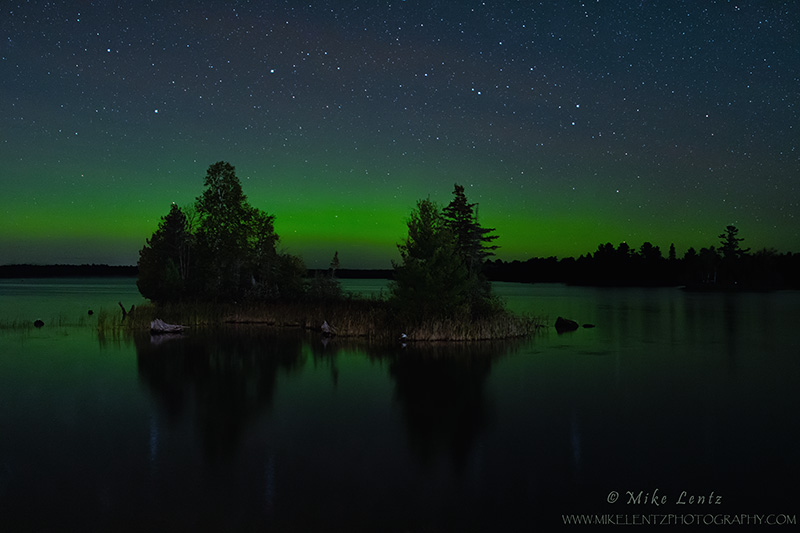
[(569, 125)]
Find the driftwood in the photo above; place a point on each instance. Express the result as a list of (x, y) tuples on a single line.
[(327, 329), (158, 326), (124, 312)]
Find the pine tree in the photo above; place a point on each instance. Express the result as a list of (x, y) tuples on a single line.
[(334, 263), (473, 247), (472, 240), (164, 260), (730, 244), (732, 253)]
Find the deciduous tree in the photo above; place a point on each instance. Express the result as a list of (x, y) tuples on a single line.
[(233, 249), (432, 279)]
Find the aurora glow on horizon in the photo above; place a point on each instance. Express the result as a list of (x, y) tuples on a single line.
[(570, 123)]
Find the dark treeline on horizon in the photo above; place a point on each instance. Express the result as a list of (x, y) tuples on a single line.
[(726, 266), (131, 271), (353, 273), (607, 266), (66, 271)]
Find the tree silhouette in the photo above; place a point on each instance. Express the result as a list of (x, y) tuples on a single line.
[(732, 254), (473, 246), (472, 240), (729, 267), (731, 250), (164, 259), (334, 263), (432, 280), (225, 218), (232, 244), (326, 287)]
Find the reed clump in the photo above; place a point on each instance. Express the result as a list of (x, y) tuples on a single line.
[(500, 325), (59, 321)]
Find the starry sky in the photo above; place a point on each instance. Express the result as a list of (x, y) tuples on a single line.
[(570, 123)]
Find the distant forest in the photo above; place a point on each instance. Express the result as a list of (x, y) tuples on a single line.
[(66, 271), (725, 266)]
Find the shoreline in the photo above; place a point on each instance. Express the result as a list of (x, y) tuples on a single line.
[(348, 318)]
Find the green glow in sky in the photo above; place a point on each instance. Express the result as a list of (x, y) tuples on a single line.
[(569, 124), (98, 218)]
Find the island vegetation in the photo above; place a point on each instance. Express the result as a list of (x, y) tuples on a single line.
[(217, 261)]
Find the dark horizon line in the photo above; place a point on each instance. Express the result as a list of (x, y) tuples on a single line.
[(30, 270)]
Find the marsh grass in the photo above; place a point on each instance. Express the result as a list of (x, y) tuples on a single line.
[(16, 324), (349, 317), (371, 318), (500, 325), (59, 321)]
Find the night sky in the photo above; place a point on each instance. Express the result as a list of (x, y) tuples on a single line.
[(570, 123)]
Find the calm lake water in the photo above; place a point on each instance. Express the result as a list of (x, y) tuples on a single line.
[(672, 393)]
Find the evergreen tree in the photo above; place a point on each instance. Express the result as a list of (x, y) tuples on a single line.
[(650, 265), (732, 254), (472, 240), (164, 260), (730, 244), (326, 287), (708, 260), (334, 263), (473, 247), (624, 253), (650, 253)]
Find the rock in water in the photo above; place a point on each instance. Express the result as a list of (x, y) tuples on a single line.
[(38, 324), (565, 324)]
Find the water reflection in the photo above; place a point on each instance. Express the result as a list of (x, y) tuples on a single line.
[(442, 393), (258, 429), (224, 379)]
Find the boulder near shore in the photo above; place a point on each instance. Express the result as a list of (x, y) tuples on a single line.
[(565, 324)]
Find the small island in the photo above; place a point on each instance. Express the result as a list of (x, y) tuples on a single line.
[(216, 262)]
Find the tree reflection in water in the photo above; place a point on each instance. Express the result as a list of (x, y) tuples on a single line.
[(441, 390), (223, 378), (356, 434)]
